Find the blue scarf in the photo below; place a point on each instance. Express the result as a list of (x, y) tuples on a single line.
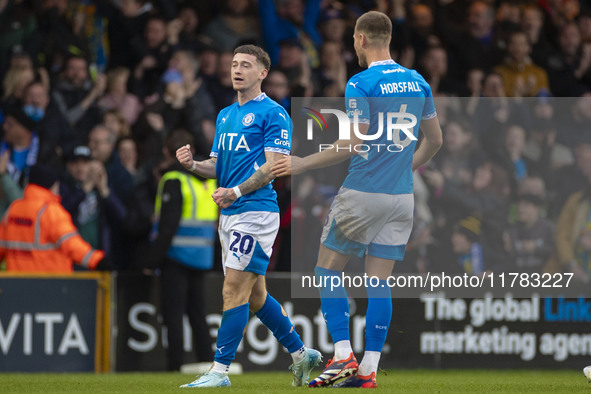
[(15, 172)]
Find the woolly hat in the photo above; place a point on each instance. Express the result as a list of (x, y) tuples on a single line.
[(43, 176)]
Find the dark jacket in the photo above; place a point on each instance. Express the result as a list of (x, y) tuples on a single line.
[(68, 99), (111, 212)]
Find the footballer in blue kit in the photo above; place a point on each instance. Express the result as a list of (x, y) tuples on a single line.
[(251, 135), (372, 213), (387, 87), (243, 134)]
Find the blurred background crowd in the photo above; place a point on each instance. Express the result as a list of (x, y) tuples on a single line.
[(100, 89)]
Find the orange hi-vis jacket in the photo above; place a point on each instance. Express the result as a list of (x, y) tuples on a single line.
[(37, 235)]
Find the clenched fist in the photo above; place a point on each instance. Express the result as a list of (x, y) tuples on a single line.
[(185, 156)]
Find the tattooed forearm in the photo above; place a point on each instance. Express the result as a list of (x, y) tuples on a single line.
[(206, 168), (260, 178)]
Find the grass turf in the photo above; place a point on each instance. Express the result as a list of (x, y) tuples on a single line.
[(397, 381)]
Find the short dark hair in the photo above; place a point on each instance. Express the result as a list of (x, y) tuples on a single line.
[(375, 25), (258, 52)]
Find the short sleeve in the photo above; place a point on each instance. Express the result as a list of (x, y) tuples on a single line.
[(429, 111), (216, 138), (356, 101), (278, 130)]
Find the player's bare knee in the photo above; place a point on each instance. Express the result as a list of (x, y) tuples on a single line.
[(233, 299), (379, 267), (257, 299), (330, 259)]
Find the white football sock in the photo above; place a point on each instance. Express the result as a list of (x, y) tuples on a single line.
[(369, 363), (342, 350), (220, 368), (298, 355)]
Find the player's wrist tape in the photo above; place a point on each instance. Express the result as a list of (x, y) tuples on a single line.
[(194, 166), (237, 191)]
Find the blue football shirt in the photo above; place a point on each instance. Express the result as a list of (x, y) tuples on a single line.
[(386, 87), (243, 134)]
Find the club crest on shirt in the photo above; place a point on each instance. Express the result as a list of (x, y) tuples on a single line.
[(248, 119)]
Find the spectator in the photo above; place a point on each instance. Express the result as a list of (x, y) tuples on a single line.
[(20, 145), (189, 37), (473, 46), (573, 178), (157, 119), (208, 64), (220, 87), (89, 26), (114, 120), (126, 23), (197, 112), (55, 134), (86, 195), (433, 65), (152, 54), (458, 149), (515, 138), (534, 185), (76, 96), (276, 87), (532, 23), (54, 39), (101, 142), (507, 21), (185, 104), (421, 237), (296, 67), (494, 112), (575, 115), (38, 235), (467, 247), (184, 212), (16, 27), (127, 151), (235, 25), (331, 76), (333, 25), (487, 199), (291, 20), (584, 22), (530, 241), (21, 60), (421, 31), (473, 90), (542, 148), (18, 153), (13, 85), (117, 96), (570, 68), (562, 12), (573, 237), (521, 77)]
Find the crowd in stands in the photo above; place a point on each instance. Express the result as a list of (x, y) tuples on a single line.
[(93, 87)]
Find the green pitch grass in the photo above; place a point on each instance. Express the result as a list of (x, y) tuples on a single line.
[(396, 381)]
